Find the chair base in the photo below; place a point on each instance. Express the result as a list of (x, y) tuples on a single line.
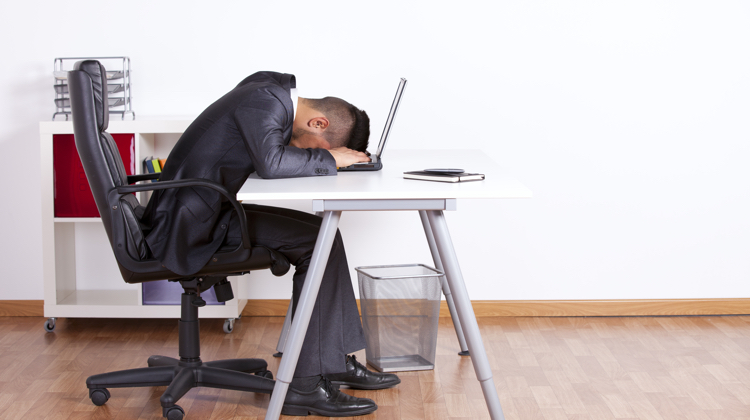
[(180, 377), (187, 372)]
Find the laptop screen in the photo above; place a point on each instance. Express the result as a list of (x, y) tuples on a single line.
[(391, 117)]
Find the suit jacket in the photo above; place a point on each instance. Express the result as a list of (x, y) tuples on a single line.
[(245, 131)]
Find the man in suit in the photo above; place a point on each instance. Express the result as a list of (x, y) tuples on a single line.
[(263, 126)]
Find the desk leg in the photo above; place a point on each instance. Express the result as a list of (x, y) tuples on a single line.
[(444, 283), (305, 306), (465, 312)]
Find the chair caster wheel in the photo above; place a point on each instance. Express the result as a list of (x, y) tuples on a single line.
[(99, 396), (265, 373), (174, 413)]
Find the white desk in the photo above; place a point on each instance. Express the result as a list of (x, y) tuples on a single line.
[(381, 191)]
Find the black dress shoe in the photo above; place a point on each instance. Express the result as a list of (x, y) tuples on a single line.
[(325, 400), (358, 377)]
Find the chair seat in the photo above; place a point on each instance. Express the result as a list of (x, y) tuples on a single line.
[(227, 262)]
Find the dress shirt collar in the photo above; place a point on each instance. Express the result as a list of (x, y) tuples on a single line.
[(295, 97)]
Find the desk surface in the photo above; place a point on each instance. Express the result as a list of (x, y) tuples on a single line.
[(389, 183)]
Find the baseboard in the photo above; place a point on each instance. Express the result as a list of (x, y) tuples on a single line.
[(636, 307), (266, 307), (21, 308), (486, 308), (615, 307)]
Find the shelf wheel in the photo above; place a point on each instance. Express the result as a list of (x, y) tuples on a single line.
[(229, 325), (50, 324)]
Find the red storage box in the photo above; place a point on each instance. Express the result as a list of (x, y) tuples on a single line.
[(72, 192)]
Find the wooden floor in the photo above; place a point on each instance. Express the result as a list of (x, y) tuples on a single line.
[(544, 368)]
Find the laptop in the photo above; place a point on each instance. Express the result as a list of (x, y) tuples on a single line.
[(376, 163)]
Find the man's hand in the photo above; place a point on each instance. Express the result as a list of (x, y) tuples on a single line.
[(345, 156)]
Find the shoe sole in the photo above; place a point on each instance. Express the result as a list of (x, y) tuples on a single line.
[(354, 385), (301, 411)]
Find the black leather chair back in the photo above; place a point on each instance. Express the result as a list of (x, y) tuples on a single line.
[(99, 155)]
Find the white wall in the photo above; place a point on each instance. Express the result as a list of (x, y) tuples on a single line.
[(630, 121)]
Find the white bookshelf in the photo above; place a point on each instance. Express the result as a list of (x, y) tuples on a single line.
[(81, 277)]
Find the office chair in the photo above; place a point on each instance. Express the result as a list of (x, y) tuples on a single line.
[(120, 213)]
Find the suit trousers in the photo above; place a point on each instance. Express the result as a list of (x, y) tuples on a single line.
[(335, 328)]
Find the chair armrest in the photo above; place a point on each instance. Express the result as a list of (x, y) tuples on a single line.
[(132, 179), (195, 182)]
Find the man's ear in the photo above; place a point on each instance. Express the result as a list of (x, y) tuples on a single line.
[(318, 123)]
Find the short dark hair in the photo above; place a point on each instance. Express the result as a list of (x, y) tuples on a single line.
[(349, 125)]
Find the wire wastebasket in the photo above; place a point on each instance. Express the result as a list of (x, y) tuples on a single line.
[(400, 308)]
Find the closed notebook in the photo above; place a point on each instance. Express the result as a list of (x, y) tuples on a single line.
[(431, 176)]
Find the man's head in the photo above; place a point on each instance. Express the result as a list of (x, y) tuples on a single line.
[(329, 123)]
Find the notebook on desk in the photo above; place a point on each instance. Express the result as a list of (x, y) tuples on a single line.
[(376, 162)]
